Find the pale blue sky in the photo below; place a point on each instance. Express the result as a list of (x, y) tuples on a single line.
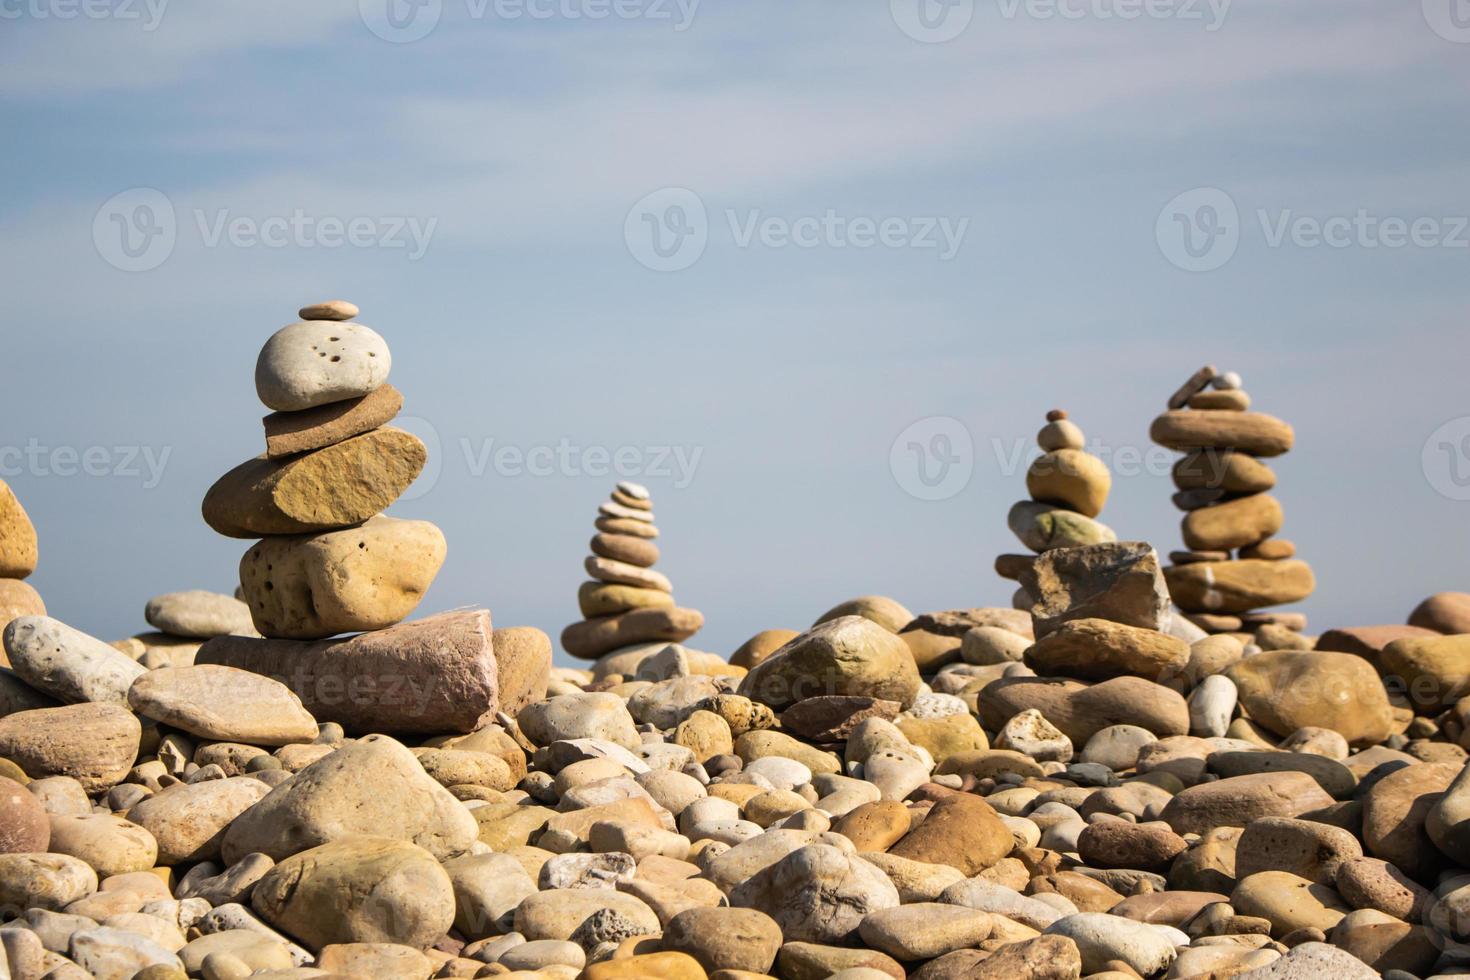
[(518, 146)]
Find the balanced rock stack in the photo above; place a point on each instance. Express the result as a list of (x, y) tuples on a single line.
[(327, 562), (1232, 565), (1068, 488), (18, 555), (627, 603)]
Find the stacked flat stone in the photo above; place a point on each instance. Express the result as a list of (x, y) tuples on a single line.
[(1232, 564), (628, 603), (1068, 488), (327, 561), (18, 554)]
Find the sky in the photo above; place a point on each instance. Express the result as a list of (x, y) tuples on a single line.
[(812, 272)]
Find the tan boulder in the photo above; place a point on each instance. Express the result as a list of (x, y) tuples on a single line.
[(17, 599), (851, 655), (358, 889), (306, 587), (371, 786), (1289, 902), (1233, 524), (1395, 812), (1070, 478), (1443, 612), (1239, 800), (887, 613), (1285, 690), (1099, 649), (1433, 672), (597, 599), (761, 646), (1239, 586), (962, 831), (1251, 432), (95, 744), (188, 820), (1118, 581), (523, 664), (1081, 710), (17, 537), (592, 638), (334, 487)]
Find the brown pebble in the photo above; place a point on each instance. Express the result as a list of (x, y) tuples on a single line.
[(332, 309), (1056, 415)]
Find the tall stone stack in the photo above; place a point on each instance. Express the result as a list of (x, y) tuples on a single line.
[(627, 603), (327, 561), (1068, 488), (1232, 564), (18, 555)]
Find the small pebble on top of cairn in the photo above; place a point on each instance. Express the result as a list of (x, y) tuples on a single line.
[(627, 603), (1068, 487), (1232, 565)]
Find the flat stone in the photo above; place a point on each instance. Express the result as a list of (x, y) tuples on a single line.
[(627, 548), (1239, 800), (357, 580), (1099, 649), (1334, 777), (198, 614), (1117, 581), (376, 960), (224, 704), (107, 842), (95, 744), (68, 664), (1196, 383), (849, 656), (332, 309), (925, 930), (1239, 586), (291, 433), (1233, 523), (597, 599), (433, 675), (358, 889), (314, 362), (1251, 432), (373, 785), (335, 487), (592, 638)]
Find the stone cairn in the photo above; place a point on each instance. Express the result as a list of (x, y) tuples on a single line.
[(18, 554), (1232, 564), (627, 603), (1068, 488), (327, 561)]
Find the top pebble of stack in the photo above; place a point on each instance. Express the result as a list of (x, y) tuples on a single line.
[(321, 359)]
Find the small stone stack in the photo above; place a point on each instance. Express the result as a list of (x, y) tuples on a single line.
[(1232, 565), (1068, 488), (18, 555), (327, 562), (628, 603)]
